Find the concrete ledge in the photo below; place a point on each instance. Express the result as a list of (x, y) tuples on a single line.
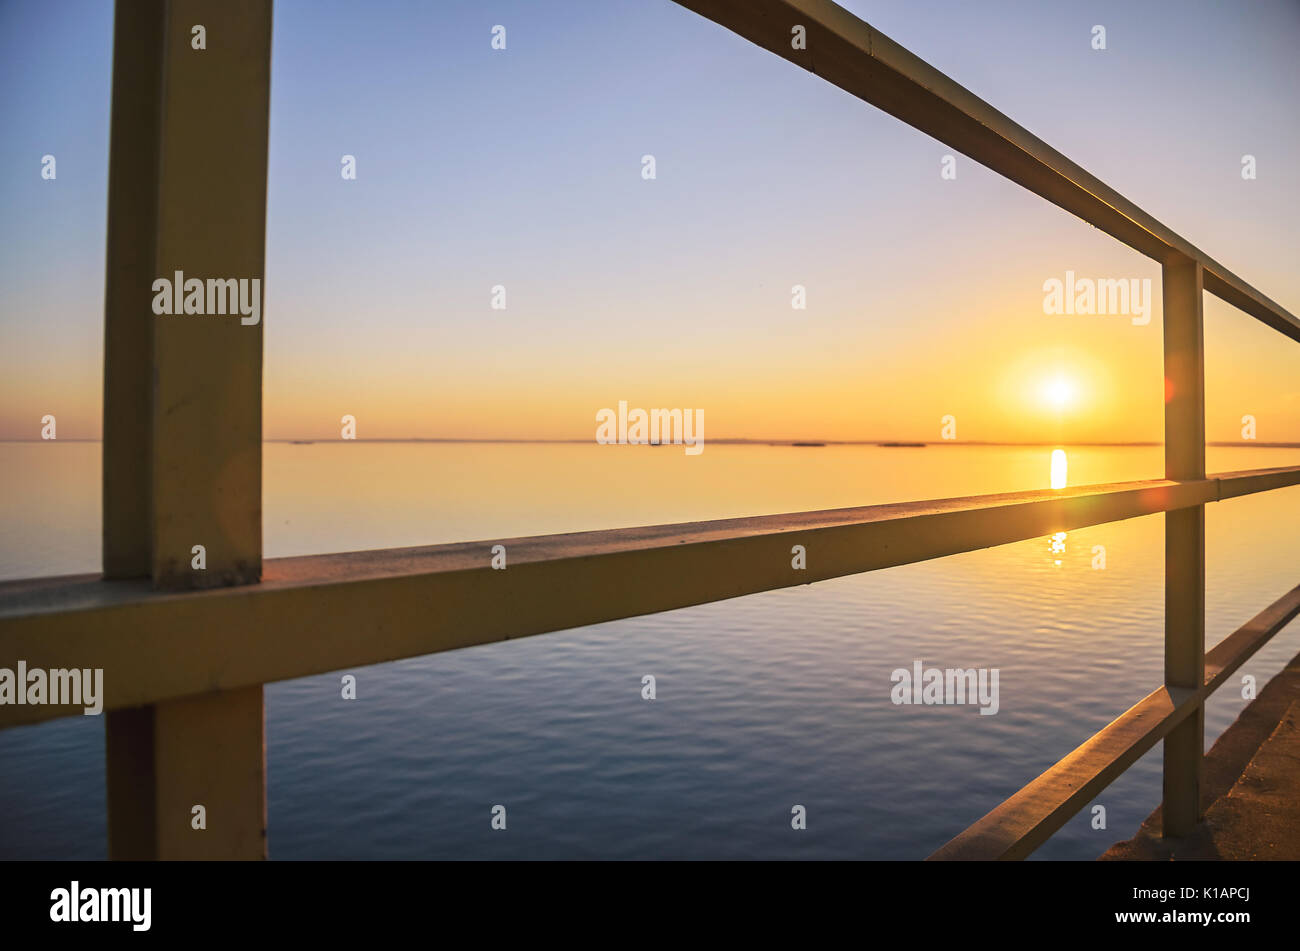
[(1251, 775)]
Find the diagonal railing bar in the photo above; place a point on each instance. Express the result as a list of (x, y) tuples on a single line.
[(849, 53), (1028, 818)]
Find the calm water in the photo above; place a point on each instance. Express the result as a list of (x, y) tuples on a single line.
[(763, 702)]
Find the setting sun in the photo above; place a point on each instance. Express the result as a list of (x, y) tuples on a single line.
[(1058, 392)]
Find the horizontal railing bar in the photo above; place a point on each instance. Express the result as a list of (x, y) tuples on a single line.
[(1029, 818), (850, 54), (1252, 481), (338, 611)]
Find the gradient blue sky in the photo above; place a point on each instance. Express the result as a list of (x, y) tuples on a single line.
[(522, 167)]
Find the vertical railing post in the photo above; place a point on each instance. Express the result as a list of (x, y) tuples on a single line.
[(183, 398), (1184, 346)]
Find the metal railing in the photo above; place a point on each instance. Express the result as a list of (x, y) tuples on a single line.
[(184, 669)]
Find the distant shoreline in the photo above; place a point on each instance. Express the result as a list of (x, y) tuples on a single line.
[(799, 443)]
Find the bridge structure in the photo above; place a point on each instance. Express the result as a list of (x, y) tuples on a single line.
[(186, 653)]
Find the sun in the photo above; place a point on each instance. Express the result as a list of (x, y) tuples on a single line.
[(1058, 392)]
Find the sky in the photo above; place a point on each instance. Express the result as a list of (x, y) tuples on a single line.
[(522, 167)]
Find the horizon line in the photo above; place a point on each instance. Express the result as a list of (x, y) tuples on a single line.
[(736, 441)]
